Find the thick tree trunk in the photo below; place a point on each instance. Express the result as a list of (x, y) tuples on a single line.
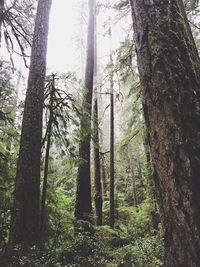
[(25, 217), (46, 161), (152, 190), (83, 205), (170, 77)]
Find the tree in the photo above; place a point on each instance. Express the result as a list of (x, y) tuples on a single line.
[(59, 110), (169, 71), (83, 205), (98, 198), (46, 160), (112, 167), (8, 143), (97, 168), (16, 22), (26, 210)]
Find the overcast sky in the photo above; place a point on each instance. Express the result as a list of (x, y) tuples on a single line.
[(62, 33), (66, 31)]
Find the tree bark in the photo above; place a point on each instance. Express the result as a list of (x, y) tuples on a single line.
[(170, 77), (25, 217), (83, 205)]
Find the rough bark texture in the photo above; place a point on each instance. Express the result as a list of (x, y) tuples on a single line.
[(151, 186), (83, 205), (25, 217), (170, 78)]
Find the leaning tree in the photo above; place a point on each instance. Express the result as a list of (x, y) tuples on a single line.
[(169, 69)]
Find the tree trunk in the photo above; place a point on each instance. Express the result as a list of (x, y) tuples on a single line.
[(170, 77), (83, 205), (25, 217), (152, 189), (98, 199), (112, 167), (46, 163), (103, 175), (97, 171), (102, 156)]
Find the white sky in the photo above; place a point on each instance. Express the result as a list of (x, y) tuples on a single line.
[(66, 32), (61, 43)]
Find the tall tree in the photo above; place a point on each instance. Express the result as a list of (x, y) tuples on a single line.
[(170, 77), (98, 199), (25, 217), (112, 167), (102, 155), (83, 205), (97, 168)]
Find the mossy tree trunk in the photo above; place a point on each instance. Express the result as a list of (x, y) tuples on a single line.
[(26, 210), (170, 77), (83, 205)]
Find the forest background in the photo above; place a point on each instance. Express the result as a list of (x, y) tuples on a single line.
[(136, 236)]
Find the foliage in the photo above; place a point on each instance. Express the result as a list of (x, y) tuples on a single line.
[(18, 27), (8, 147), (134, 243), (65, 111), (138, 237)]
